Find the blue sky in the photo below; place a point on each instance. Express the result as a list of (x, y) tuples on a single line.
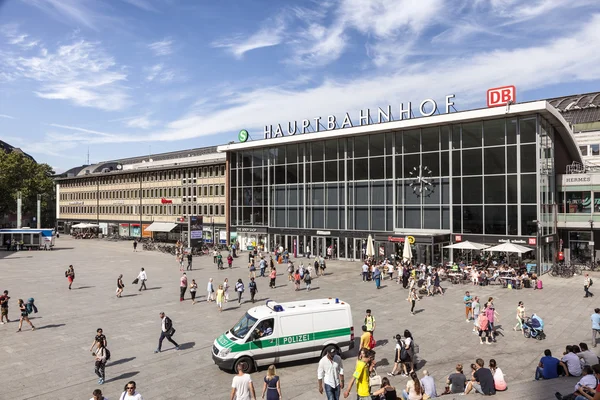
[(132, 77)]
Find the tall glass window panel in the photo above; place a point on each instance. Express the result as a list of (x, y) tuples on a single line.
[(445, 164), (445, 217), (409, 193), (412, 217), (259, 196), (412, 141), (455, 137), (279, 153), (512, 221), (318, 195), (399, 218), (318, 218), (495, 220), (511, 189), (331, 171), (456, 191), (389, 167), (445, 134), (362, 193), (389, 192), (511, 131), (494, 160), (247, 216), (472, 190), (361, 146), (511, 159), (351, 192), (432, 162), (376, 168), (377, 145), (528, 159), (389, 137), (350, 218), (246, 176), (411, 165), (361, 169), (493, 132), (280, 175), (528, 189), (472, 162), (471, 134), (350, 170), (456, 219), (280, 196), (333, 195), (342, 171), (473, 219), (292, 173), (431, 191), (431, 218), (292, 153), (528, 215), (430, 138), (456, 164), (399, 166), (361, 218), (527, 129), (331, 149), (317, 171), (378, 219), (332, 218), (444, 188), (317, 149), (342, 219), (292, 220), (495, 192), (377, 193), (292, 195)]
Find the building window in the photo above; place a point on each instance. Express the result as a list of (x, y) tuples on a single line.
[(222, 190), (210, 191), (222, 209), (595, 149)]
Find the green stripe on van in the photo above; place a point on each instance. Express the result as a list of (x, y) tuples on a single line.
[(282, 341)]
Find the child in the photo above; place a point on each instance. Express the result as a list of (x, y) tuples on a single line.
[(220, 295), (230, 261)]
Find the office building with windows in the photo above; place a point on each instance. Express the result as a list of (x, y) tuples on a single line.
[(486, 175), (124, 197)]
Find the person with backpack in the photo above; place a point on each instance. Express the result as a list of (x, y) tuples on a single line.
[(167, 331), (253, 289), (24, 315), (290, 270), (587, 285), (30, 306), (70, 275), (239, 288), (102, 355), (307, 280)]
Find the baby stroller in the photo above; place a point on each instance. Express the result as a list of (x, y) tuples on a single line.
[(534, 327)]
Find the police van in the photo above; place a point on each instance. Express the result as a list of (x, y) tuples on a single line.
[(280, 332)]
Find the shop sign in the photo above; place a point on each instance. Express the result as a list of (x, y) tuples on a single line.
[(76, 203), (501, 96), (395, 239), (165, 201), (426, 108), (532, 241), (246, 229), (577, 179), (515, 241), (324, 233), (458, 238)]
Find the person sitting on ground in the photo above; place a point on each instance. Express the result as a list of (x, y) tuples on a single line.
[(428, 384), (586, 355), (482, 381), (456, 381), (547, 367), (499, 381), (386, 392), (570, 363), (587, 379)]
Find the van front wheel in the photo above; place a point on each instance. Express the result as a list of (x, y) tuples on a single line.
[(246, 363), (328, 349)]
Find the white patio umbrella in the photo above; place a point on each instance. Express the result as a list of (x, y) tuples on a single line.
[(407, 252), (466, 245), (370, 251), (509, 248)]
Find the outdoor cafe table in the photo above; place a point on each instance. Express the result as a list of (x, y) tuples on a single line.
[(455, 276)]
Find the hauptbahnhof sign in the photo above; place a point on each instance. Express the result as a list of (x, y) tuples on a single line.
[(427, 108)]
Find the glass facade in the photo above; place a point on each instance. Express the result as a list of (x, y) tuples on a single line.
[(472, 178)]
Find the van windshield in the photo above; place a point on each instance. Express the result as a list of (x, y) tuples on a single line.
[(244, 325)]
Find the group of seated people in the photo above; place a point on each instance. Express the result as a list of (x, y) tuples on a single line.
[(485, 381), (577, 361)]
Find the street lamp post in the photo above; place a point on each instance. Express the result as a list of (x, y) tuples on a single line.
[(592, 243)]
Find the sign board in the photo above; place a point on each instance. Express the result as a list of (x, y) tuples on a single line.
[(196, 227), (501, 96), (532, 241)]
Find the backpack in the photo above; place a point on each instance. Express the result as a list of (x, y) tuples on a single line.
[(404, 354), (291, 269), (107, 352), (66, 274), (251, 285), (372, 342), (591, 282)]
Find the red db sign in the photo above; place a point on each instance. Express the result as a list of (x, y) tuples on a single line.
[(500, 96)]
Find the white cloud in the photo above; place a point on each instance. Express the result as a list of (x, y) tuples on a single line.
[(78, 11), (142, 4), (267, 36), (159, 73), (6, 116), (162, 48), (140, 122), (80, 72), (14, 37)]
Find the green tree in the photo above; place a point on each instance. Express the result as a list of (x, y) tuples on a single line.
[(20, 173)]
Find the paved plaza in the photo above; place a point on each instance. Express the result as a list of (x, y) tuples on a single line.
[(54, 361)]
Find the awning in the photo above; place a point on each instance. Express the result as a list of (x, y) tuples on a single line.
[(160, 227)]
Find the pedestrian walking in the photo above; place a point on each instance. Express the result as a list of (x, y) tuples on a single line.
[(193, 288), (180, 261), (189, 261), (24, 315), (97, 395), (272, 276), (99, 338), (219, 297), (230, 261), (263, 266), (183, 284), (436, 284), (120, 285), (369, 321), (167, 331), (226, 289), (377, 277), (239, 288), (135, 243), (412, 298), (307, 280), (365, 272), (210, 291), (70, 275), (4, 307), (241, 385), (476, 305), (290, 270), (587, 284), (252, 270), (330, 375), (483, 327), (307, 251), (219, 261), (253, 289), (272, 385), (214, 256), (142, 277), (100, 362), (297, 279), (468, 300), (595, 323), (130, 392), (361, 375), (520, 316)]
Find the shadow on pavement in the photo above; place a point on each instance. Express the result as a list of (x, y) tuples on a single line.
[(383, 362), (83, 287), (188, 345), (50, 326), (154, 288), (381, 342), (130, 295), (121, 361), (126, 375)]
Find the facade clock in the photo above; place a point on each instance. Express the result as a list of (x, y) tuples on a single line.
[(422, 182)]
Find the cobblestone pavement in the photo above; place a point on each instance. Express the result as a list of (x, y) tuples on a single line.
[(54, 361)]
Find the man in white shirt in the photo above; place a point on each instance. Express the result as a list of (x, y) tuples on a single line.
[(365, 272), (570, 363), (142, 277), (307, 251), (241, 386), (331, 373), (130, 393)]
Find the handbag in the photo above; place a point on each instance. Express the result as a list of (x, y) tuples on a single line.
[(135, 281), (375, 380), (170, 332)]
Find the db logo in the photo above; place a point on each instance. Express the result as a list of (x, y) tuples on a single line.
[(532, 241), (500, 96)]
